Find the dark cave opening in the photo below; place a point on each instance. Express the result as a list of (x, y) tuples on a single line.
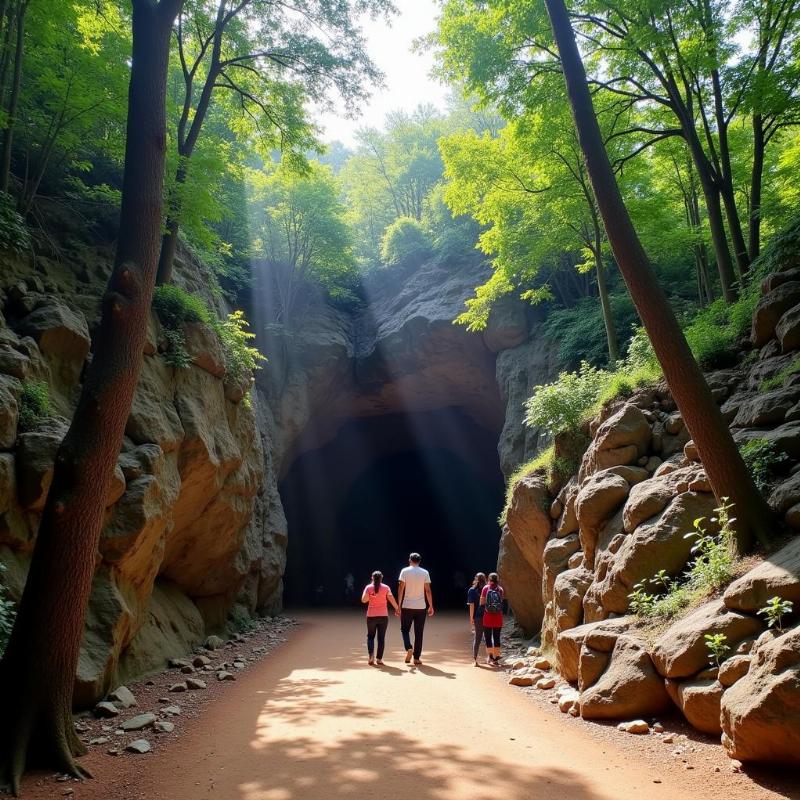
[(385, 486)]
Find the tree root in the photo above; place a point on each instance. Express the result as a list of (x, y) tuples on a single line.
[(42, 737)]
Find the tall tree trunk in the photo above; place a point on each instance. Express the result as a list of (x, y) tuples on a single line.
[(169, 246), (735, 227), (605, 301), (37, 674), (719, 240), (724, 466), (8, 133), (756, 177)]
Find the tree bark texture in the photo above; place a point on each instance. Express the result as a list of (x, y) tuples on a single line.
[(8, 133), (38, 672), (756, 178), (724, 466)]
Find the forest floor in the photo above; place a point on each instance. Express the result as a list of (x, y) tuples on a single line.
[(312, 720)]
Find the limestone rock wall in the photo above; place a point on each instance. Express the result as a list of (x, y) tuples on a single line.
[(624, 517), (193, 529)]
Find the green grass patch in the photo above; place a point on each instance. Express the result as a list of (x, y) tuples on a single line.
[(764, 461), (542, 462), (776, 381), (176, 307), (34, 405)]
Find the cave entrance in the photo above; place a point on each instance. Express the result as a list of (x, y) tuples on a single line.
[(382, 487)]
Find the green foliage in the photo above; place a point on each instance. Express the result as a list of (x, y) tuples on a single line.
[(717, 646), (539, 463), (764, 460), (7, 615), (241, 358), (714, 334), (774, 612), (176, 354), (777, 380), (564, 405), (405, 243), (576, 327), (176, 307), (34, 405), (14, 233), (714, 565)]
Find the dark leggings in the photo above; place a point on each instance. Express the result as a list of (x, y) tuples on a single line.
[(476, 639), (492, 636), (376, 625)]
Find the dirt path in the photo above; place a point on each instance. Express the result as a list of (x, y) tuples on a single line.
[(313, 721)]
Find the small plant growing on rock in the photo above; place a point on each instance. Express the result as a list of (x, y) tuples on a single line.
[(642, 602), (764, 461), (241, 358), (774, 612), (34, 405), (7, 615), (717, 646), (714, 553), (176, 354)]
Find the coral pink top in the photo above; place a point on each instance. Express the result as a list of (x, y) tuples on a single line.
[(378, 601), (492, 619)]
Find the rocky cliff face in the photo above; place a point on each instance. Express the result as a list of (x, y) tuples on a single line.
[(195, 534), (571, 560)]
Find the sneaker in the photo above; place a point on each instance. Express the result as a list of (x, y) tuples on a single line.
[(379, 662), (409, 653), (417, 662), (475, 663), (371, 661)]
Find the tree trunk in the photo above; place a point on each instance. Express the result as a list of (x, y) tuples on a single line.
[(724, 466), (756, 176), (735, 227), (605, 305), (719, 240), (37, 674), (169, 246), (8, 133)]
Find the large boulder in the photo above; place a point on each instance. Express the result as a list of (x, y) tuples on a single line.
[(621, 439), (778, 575), (681, 651), (658, 544), (629, 687), (9, 410), (771, 307), (523, 592), (556, 556), (766, 408), (568, 592), (62, 335), (569, 643), (699, 700), (528, 519), (36, 457), (599, 496), (760, 712), (788, 329)]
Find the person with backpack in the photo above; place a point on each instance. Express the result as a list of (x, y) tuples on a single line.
[(492, 602), (377, 596), (476, 613)]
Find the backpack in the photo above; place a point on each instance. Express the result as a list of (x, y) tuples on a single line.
[(494, 602)]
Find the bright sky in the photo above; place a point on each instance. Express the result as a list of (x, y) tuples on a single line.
[(407, 75)]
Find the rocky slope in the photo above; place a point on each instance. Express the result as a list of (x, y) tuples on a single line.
[(571, 558)]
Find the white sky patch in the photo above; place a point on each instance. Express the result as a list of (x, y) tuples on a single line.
[(407, 74)]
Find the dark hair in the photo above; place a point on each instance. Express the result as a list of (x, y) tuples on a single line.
[(415, 558), (493, 578), (480, 580), (377, 577)]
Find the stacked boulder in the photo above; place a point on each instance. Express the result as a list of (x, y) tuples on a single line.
[(625, 516)]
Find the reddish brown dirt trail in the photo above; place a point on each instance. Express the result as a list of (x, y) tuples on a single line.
[(313, 721)]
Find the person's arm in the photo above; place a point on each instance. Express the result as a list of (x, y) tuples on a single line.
[(365, 595), (393, 602), (401, 591), (429, 598), (471, 614)]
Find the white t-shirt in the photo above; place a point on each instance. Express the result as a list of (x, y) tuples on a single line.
[(415, 579)]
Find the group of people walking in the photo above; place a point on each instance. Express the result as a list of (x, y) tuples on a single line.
[(414, 604)]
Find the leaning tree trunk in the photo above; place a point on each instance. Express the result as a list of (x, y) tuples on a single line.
[(37, 674), (724, 466), (605, 305)]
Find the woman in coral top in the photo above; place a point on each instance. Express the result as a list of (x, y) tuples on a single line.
[(377, 595)]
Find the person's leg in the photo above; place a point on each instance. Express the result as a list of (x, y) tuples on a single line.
[(406, 618), (496, 643), (487, 636), (383, 624), (420, 615), (476, 639), (371, 625)]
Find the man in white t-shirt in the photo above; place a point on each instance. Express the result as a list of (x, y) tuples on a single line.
[(416, 602)]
